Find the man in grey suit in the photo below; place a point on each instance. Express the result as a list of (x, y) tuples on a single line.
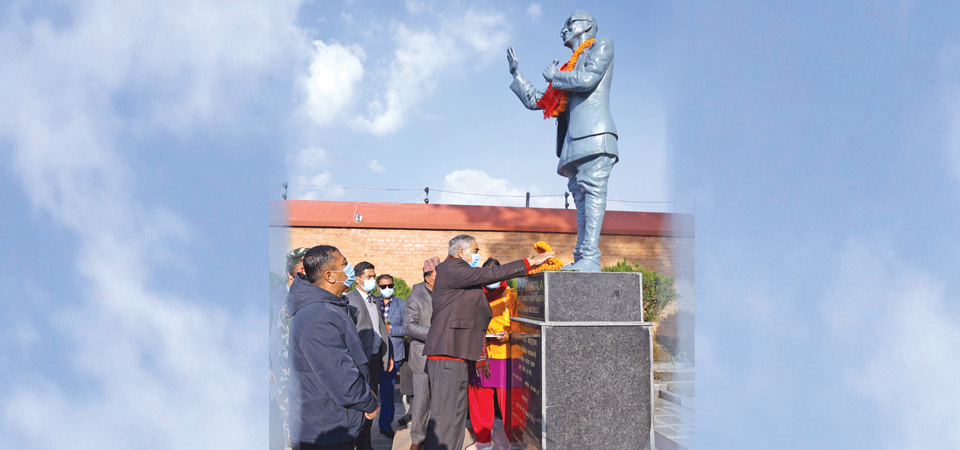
[(365, 307), (455, 341), (579, 97), (416, 322)]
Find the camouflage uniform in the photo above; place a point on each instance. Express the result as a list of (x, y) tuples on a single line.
[(283, 375), (282, 324)]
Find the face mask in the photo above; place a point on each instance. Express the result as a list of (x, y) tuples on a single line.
[(368, 285), (493, 286), (386, 293), (475, 260), (351, 275)]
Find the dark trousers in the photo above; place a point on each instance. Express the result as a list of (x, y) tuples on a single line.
[(406, 378), (375, 366), (309, 446), (388, 382), (419, 408), (448, 404)]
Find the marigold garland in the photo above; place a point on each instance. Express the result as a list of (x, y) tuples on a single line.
[(554, 101), (550, 264)]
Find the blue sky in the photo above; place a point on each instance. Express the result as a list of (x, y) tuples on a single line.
[(141, 143)]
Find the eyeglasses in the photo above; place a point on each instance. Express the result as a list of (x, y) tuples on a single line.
[(386, 286)]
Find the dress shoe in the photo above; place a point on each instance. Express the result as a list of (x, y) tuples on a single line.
[(404, 420), (584, 265), (388, 433), (416, 446)]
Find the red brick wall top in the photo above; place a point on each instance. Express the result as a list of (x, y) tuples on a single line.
[(325, 214)]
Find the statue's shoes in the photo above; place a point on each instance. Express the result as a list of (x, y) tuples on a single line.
[(584, 265)]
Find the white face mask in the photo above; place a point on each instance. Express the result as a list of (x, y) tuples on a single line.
[(386, 293), (368, 285)]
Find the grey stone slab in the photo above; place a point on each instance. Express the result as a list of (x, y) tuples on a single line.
[(581, 297), (584, 387)]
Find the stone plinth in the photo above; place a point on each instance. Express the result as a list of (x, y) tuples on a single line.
[(581, 376)]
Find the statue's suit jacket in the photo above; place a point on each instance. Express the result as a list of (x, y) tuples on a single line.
[(588, 104), (365, 327)]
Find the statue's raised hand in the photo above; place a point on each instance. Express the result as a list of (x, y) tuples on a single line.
[(512, 59)]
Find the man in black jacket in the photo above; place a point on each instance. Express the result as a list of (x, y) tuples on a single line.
[(329, 394), (455, 341)]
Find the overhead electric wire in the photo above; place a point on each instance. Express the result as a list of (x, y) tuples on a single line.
[(353, 188), (474, 194)]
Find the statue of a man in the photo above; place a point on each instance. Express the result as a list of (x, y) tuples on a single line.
[(579, 97)]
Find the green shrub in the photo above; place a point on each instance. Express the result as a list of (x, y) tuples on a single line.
[(658, 289)]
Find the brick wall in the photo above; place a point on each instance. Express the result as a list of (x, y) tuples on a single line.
[(397, 238), (402, 252)]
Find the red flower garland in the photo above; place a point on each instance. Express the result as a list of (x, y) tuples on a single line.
[(554, 101)]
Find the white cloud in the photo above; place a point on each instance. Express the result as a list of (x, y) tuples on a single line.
[(459, 41), (307, 192), (377, 167), (534, 11), (419, 57), (333, 75), (486, 33), (475, 187), (179, 370), (898, 340), (308, 158)]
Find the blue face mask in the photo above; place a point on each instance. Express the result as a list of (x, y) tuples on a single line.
[(351, 275), (475, 260), (493, 286)]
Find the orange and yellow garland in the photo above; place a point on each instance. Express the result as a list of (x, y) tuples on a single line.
[(550, 264), (554, 101)]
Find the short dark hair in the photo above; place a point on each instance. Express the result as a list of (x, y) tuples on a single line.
[(361, 266), (490, 262), (317, 259), (386, 275)]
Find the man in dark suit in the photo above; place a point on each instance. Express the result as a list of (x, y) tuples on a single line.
[(579, 97), (416, 323), (455, 341), (366, 307)]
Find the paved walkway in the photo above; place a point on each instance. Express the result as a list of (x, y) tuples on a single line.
[(675, 423)]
